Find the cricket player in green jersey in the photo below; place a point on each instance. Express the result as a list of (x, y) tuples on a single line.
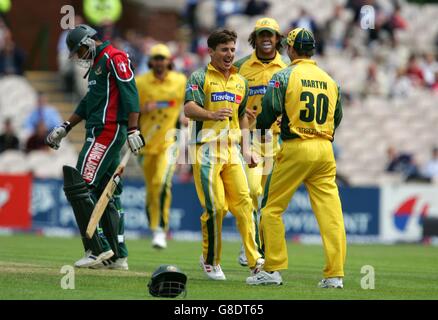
[(110, 110)]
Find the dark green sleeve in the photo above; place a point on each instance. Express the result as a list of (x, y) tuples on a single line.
[(272, 103), (122, 71), (242, 106), (81, 109), (195, 88), (338, 109)]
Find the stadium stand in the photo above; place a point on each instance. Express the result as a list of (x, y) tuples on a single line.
[(373, 121)]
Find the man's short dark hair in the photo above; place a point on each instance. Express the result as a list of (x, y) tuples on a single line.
[(305, 53), (220, 37), (252, 41), (169, 67)]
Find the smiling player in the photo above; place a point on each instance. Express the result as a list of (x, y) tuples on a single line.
[(215, 102), (258, 68)]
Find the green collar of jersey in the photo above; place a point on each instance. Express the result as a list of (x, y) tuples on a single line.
[(298, 61)]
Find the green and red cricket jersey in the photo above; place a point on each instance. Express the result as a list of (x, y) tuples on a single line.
[(112, 95)]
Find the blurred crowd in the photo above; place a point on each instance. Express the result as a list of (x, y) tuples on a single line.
[(12, 57), (392, 73), (406, 164), (37, 124)]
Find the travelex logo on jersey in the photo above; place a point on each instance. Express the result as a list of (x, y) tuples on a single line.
[(225, 96), (406, 211), (274, 84), (257, 90), (165, 104)]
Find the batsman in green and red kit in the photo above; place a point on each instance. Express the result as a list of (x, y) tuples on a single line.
[(110, 110)]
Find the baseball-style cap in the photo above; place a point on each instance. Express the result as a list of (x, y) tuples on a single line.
[(267, 24), (300, 38), (160, 50)]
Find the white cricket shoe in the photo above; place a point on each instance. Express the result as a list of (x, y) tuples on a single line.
[(83, 259), (92, 260), (258, 267), (213, 272), (331, 283), (119, 264), (243, 261), (159, 240), (265, 278)]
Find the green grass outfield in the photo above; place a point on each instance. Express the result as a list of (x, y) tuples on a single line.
[(30, 269)]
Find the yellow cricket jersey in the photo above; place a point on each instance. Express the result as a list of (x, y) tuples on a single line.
[(168, 95), (308, 100), (258, 75), (210, 90)]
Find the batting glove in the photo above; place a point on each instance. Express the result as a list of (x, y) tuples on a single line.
[(135, 140), (55, 136)]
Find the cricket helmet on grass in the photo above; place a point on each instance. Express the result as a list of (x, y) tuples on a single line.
[(167, 281)]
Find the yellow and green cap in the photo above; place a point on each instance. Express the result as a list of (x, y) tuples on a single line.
[(267, 24), (160, 50), (300, 38)]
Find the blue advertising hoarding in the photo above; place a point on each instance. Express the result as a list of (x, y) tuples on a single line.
[(51, 211)]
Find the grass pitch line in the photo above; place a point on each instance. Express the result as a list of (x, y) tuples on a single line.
[(28, 268)]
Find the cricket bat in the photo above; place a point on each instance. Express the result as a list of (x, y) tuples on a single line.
[(106, 196)]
